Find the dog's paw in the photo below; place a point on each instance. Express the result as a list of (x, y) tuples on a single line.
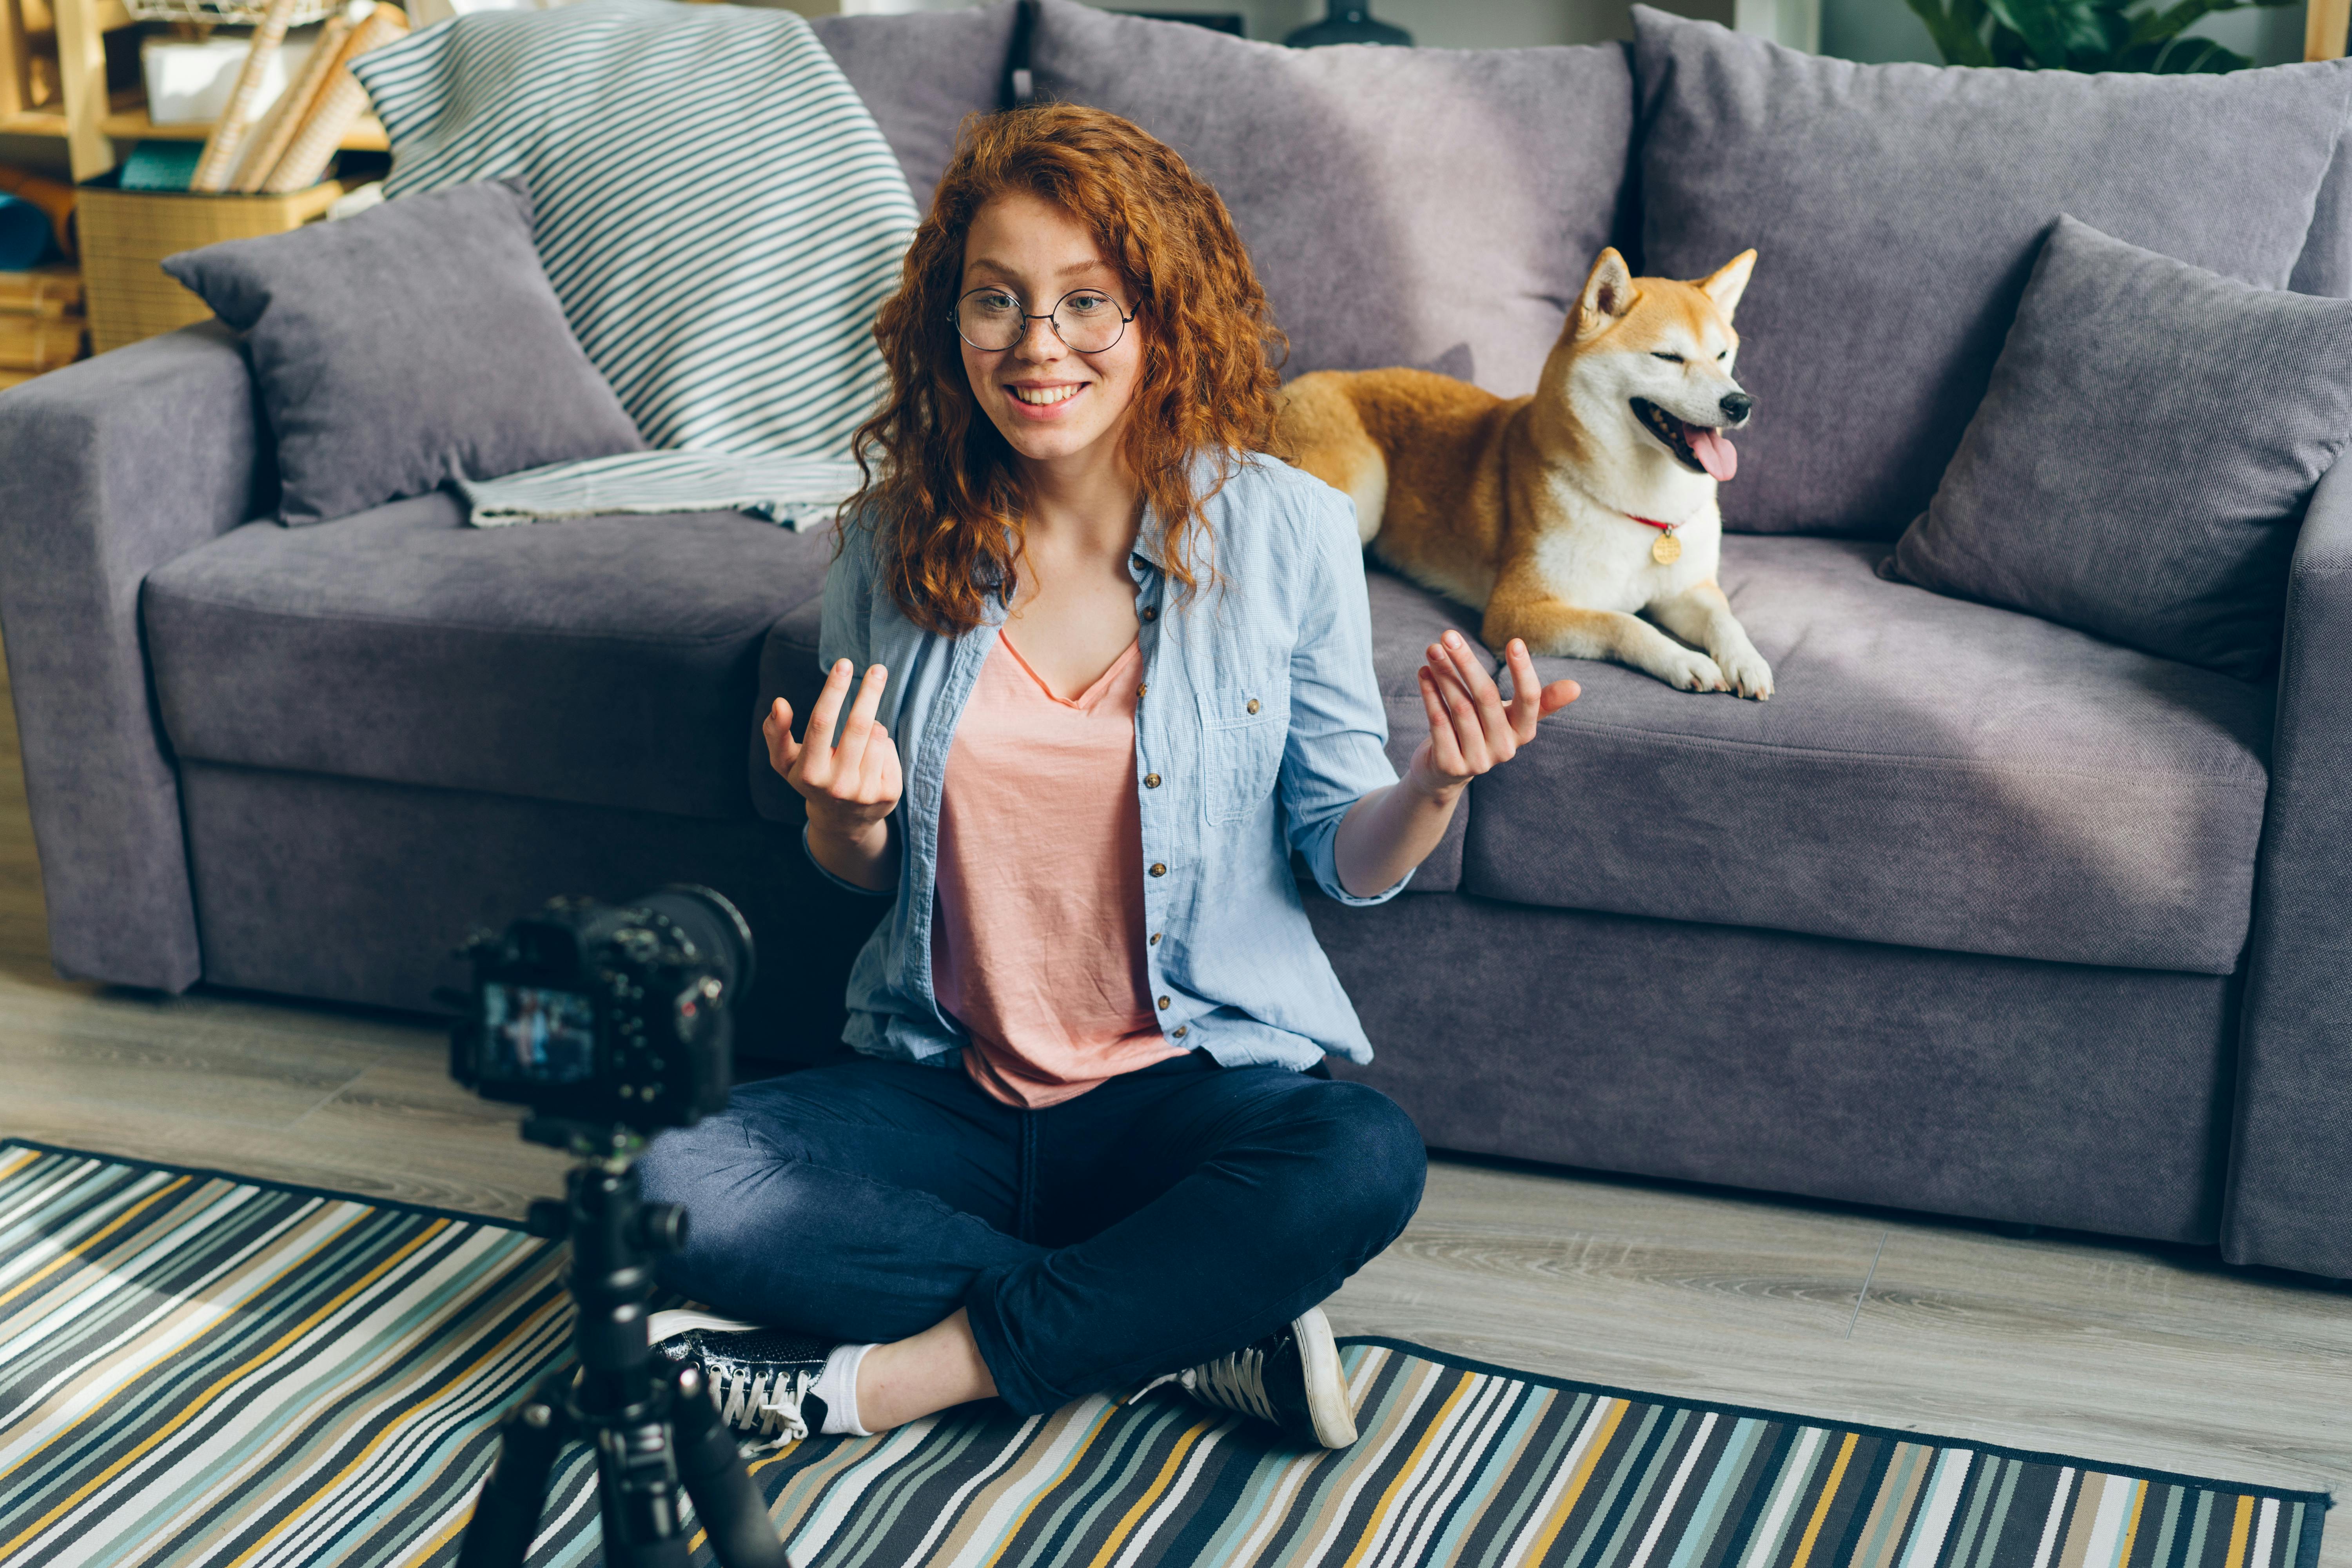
[(1748, 674), (1687, 669)]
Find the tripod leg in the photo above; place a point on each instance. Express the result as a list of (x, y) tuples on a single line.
[(726, 1498), (638, 1492), (506, 1514)]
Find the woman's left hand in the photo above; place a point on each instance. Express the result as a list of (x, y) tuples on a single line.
[(1470, 728)]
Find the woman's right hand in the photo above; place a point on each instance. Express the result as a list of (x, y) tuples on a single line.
[(851, 781)]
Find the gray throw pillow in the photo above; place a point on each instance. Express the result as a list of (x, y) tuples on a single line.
[(1429, 207), (408, 346), (2325, 265), (1896, 210), (2141, 461)]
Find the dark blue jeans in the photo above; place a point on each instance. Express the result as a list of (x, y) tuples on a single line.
[(1160, 1219)]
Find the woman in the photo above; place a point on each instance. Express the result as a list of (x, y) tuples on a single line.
[(1115, 670)]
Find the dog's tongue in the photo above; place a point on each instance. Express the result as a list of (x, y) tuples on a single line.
[(1714, 453)]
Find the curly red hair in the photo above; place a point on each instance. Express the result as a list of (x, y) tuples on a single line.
[(945, 497)]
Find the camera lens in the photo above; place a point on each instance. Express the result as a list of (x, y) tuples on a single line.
[(716, 927)]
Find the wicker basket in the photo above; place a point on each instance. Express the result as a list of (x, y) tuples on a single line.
[(126, 234)]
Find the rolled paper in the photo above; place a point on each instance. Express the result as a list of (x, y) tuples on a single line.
[(229, 131), (55, 199), (342, 102), (266, 147), (24, 235)]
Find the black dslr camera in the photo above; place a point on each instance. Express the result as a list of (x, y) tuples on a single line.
[(610, 1023)]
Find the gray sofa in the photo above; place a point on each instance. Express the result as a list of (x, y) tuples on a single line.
[(1980, 916)]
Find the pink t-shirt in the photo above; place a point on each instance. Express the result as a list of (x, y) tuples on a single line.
[(1037, 939)]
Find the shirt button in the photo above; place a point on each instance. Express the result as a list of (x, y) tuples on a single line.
[(1149, 614), (1163, 1003), (1253, 706), (1142, 691), (1152, 781), (1178, 1033), (1159, 869), (1155, 939)]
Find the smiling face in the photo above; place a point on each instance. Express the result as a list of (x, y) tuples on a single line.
[(1053, 405), (1679, 389), (1654, 356)]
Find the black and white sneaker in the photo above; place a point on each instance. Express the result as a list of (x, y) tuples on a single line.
[(760, 1378), (1291, 1377)]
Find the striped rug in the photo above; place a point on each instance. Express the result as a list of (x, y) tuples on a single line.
[(200, 1368)]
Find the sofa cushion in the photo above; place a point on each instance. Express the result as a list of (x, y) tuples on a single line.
[(414, 343), (1432, 207), (1896, 210), (1930, 773), (1406, 619), (2325, 267), (921, 74), (2141, 462), (607, 661)]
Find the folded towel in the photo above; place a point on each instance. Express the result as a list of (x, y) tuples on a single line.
[(797, 492)]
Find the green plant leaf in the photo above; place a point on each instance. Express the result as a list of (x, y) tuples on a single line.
[(2009, 50), (1956, 43), (2171, 21), (2095, 35), (2082, 35), (2168, 22), (1955, 35), (2187, 56), (2037, 25)]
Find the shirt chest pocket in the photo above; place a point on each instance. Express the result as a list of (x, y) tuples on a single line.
[(1242, 727)]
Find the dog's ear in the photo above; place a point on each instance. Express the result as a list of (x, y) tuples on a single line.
[(1726, 283), (1607, 292)]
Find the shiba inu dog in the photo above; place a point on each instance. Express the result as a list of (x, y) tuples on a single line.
[(1570, 514)]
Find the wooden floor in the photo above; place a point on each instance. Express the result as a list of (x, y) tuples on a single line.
[(2133, 1354)]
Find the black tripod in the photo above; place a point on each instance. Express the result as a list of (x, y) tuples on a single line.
[(654, 1429)]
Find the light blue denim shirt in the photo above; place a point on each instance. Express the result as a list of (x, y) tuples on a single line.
[(1260, 724)]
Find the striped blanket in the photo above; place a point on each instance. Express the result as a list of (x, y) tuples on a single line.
[(717, 212), (199, 1369)]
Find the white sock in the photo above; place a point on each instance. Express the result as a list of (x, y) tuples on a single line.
[(837, 1386)]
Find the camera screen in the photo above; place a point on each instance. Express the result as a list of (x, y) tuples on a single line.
[(536, 1036)]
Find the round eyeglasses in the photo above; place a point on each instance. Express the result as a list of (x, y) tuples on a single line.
[(1087, 319)]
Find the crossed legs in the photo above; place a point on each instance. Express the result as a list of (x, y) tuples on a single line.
[(1163, 1219)]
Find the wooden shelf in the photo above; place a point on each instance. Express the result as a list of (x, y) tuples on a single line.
[(33, 122), (96, 127), (132, 125), (366, 135)]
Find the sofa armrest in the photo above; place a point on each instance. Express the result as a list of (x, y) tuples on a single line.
[(111, 468), (2289, 1202)]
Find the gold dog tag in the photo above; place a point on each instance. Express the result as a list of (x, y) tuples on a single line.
[(1667, 550)]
